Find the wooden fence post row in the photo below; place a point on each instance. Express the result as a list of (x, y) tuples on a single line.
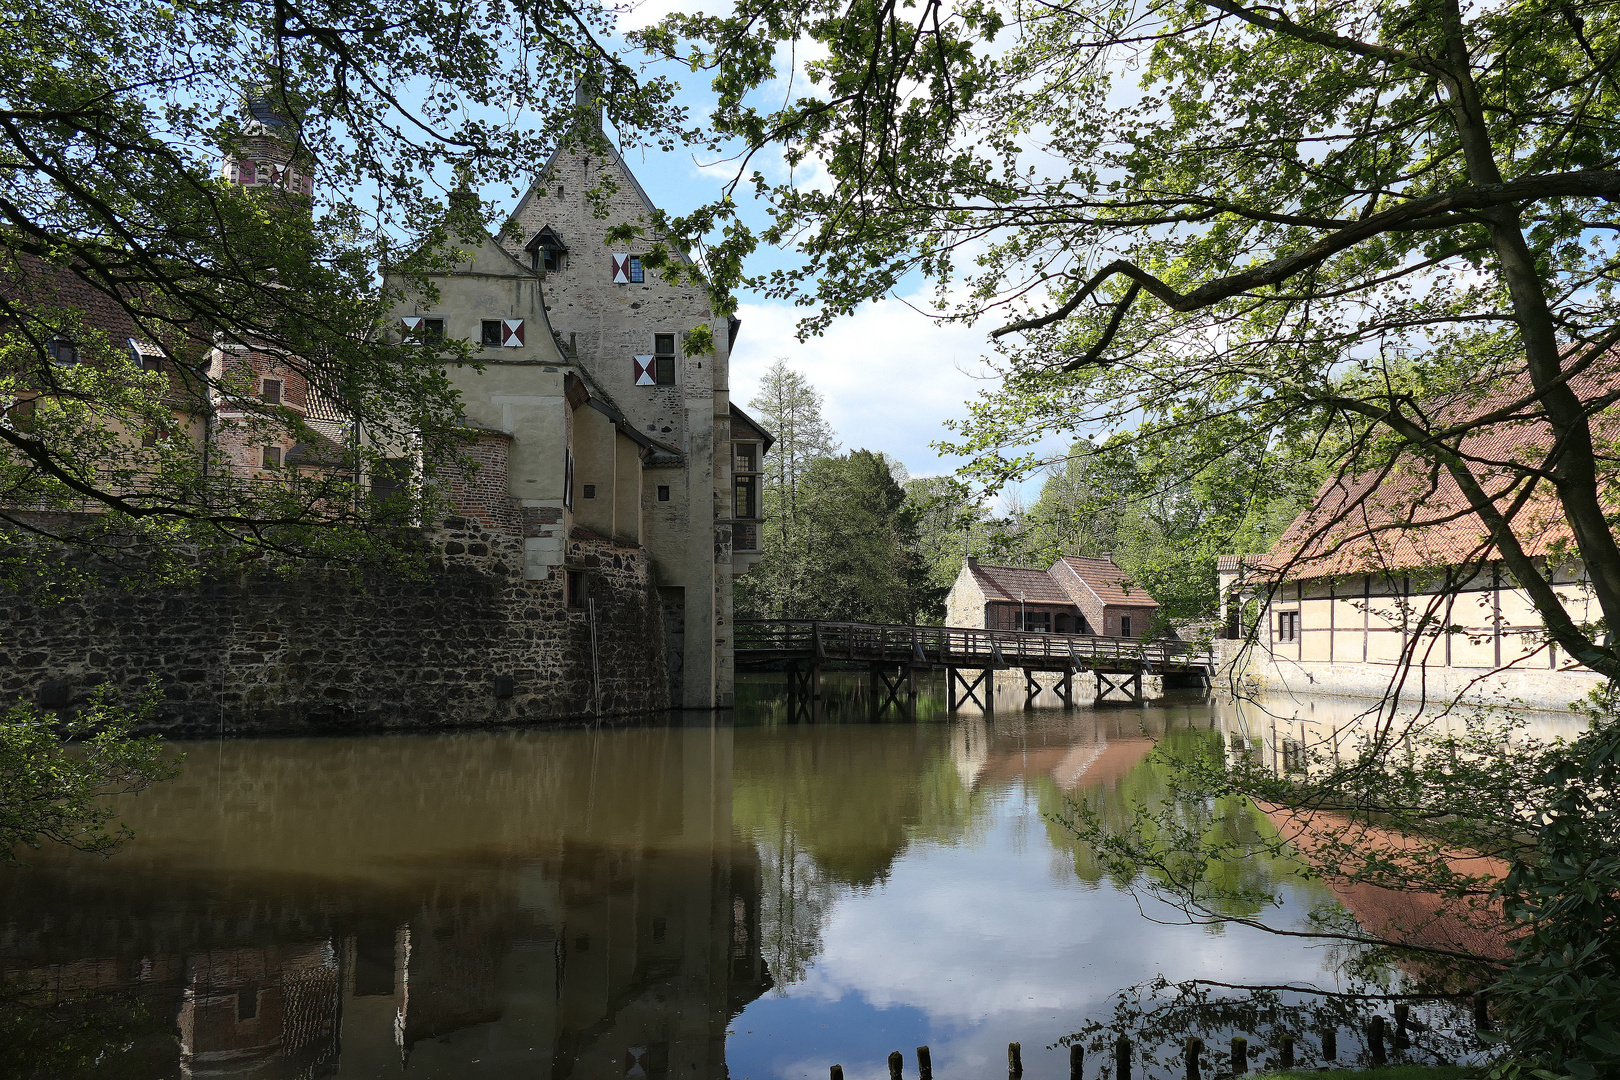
[(1192, 1053)]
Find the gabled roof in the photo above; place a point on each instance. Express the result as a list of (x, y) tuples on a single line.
[(737, 415), (1413, 514), (1105, 581), (1010, 584)]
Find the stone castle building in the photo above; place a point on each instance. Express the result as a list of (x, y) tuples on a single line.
[(586, 564), (611, 428)]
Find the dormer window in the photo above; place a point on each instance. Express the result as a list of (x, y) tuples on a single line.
[(63, 352), (546, 250)]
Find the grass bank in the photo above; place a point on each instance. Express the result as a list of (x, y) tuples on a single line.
[(1393, 1072)]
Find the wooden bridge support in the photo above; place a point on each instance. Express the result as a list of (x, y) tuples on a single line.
[(901, 693), (804, 692), (1130, 684), (984, 682)]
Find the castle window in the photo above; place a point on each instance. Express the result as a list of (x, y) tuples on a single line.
[(1124, 626), (428, 330), (272, 457), (747, 456), (491, 333), (576, 588), (663, 493), (270, 392), (663, 357), (743, 501), (637, 275), (590, 491), (550, 259)]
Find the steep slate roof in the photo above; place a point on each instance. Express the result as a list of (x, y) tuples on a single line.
[(738, 415), (1414, 515), (1106, 581), (1012, 583)]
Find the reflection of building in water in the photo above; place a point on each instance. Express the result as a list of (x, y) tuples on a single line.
[(1285, 733), (612, 930), (1076, 748), (1312, 734)]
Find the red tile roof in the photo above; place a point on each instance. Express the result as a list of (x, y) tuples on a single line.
[(1413, 514), (1107, 582), (1014, 583)]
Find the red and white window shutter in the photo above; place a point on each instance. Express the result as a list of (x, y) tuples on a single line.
[(511, 333), (644, 371), (621, 269), (411, 323)]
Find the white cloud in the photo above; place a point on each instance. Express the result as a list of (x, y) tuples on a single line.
[(890, 375)]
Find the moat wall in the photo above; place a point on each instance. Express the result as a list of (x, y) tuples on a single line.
[(473, 642)]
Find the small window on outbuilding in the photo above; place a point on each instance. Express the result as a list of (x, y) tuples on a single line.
[(272, 457), (590, 491), (1124, 626), (663, 493)]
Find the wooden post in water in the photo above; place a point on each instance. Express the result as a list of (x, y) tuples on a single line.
[(1482, 1012), (1330, 1043), (1015, 1061), (925, 1064), (1403, 1013), (1285, 1051), (1375, 1040), (896, 1063), (1195, 1046), (1122, 1058), (1240, 1055), (1077, 1061)]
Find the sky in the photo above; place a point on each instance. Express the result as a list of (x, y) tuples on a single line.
[(890, 376)]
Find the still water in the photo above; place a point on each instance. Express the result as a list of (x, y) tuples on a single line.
[(733, 896)]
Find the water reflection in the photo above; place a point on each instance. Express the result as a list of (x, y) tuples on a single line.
[(567, 904), (747, 899)]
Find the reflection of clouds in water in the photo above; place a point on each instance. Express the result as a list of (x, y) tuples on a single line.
[(989, 946)]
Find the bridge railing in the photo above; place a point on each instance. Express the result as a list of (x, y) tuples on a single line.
[(953, 645)]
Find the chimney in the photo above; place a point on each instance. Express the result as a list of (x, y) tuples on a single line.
[(587, 101), (973, 560)]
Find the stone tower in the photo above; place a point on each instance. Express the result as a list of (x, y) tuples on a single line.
[(626, 327)]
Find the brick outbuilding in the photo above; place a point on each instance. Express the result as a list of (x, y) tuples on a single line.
[(1074, 596)]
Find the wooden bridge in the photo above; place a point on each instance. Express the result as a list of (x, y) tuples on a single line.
[(970, 658)]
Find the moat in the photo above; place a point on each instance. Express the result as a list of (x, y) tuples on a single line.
[(718, 895)]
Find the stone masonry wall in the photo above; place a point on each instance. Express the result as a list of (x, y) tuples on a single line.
[(472, 643), (469, 642)]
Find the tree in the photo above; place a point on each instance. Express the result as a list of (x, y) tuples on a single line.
[(1380, 227), (1385, 230), (790, 408), (858, 542), (56, 774)]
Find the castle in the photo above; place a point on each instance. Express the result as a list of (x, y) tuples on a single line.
[(586, 564)]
